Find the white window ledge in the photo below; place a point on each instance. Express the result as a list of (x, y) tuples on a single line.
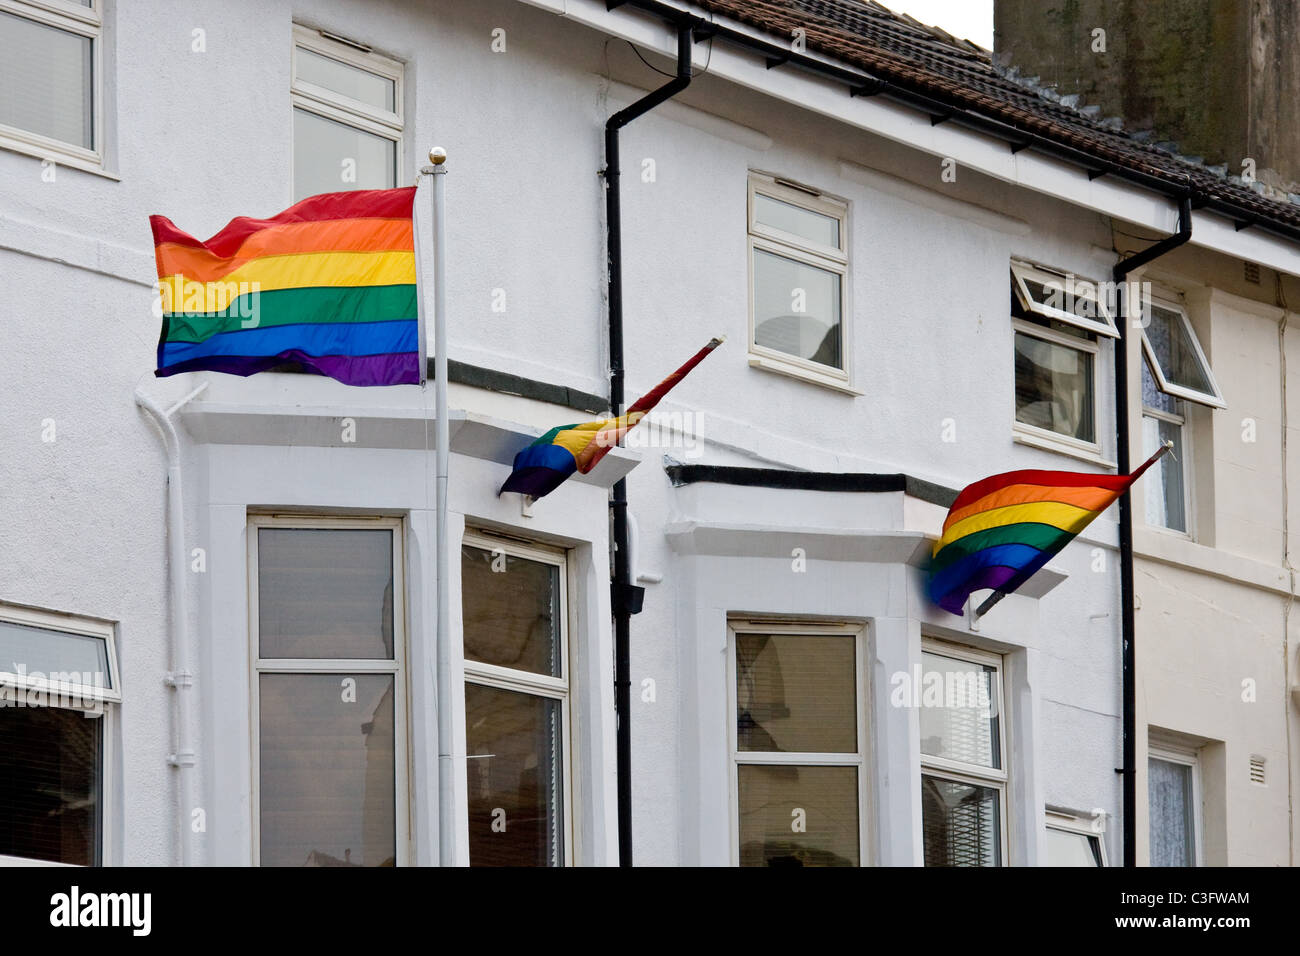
[(803, 374), (1024, 436)]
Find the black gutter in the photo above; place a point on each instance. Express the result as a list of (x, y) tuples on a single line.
[(864, 84), (625, 596), (780, 478), (1128, 625)]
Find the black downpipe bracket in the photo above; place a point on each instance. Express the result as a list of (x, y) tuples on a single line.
[(1120, 275), (625, 596)]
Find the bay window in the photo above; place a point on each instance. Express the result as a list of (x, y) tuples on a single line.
[(515, 614), (798, 744)]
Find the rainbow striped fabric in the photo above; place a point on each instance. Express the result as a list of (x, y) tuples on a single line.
[(543, 466), (1002, 529), (327, 286)]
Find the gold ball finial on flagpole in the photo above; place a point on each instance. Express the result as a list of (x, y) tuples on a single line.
[(437, 155)]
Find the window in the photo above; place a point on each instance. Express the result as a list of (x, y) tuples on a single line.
[(797, 744), (50, 79), (1058, 320), (347, 116), (798, 255), (1164, 418), (1175, 353), (963, 774), (1073, 841), (58, 685), (515, 610), (1174, 794), (1176, 377), (329, 691)]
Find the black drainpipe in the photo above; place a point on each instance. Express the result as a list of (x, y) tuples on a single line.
[(1120, 275), (625, 596)]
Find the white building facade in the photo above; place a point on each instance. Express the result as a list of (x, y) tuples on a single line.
[(873, 273)]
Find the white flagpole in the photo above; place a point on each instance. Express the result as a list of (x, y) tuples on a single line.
[(446, 765)]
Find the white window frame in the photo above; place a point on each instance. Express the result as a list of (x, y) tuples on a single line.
[(959, 771), (101, 705), (778, 242), (1183, 460), (1093, 829), (1045, 437), (1068, 282), (861, 759), (85, 22), (343, 109), (561, 689), (1173, 752), (1214, 399), (344, 666)]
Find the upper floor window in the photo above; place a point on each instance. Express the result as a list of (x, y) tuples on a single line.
[(1058, 321), (514, 603), (347, 116), (58, 689), (50, 79), (798, 256), (798, 744), (1176, 376), (963, 771)]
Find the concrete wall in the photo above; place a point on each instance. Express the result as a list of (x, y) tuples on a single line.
[(1214, 76)]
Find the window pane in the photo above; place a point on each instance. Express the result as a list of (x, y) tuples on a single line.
[(796, 308), (1169, 787), (1078, 296), (961, 823), (515, 772), (325, 593), (772, 799), (57, 655), (50, 800), (1174, 351), (350, 81), (1054, 387), (511, 611), (1152, 396), (46, 84), (327, 770), (796, 693), (959, 711), (1166, 503), (804, 223), (1068, 848), (329, 156)]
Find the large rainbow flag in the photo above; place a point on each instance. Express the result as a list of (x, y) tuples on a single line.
[(327, 286), (1003, 529), (543, 466)]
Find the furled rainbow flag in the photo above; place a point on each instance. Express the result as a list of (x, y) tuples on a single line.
[(1002, 529), (327, 286), (544, 465)]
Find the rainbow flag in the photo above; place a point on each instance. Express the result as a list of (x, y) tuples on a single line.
[(328, 286), (1002, 529), (545, 464)]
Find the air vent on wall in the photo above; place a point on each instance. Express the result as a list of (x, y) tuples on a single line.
[(1252, 272), (1257, 770)]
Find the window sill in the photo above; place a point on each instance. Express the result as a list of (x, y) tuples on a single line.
[(1034, 439), (803, 374), (10, 140)]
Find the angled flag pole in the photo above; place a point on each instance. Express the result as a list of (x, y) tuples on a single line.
[(544, 465), (1019, 579)]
